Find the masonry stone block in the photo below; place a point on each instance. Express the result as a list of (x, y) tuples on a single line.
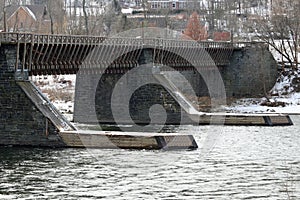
[(251, 73), (21, 123)]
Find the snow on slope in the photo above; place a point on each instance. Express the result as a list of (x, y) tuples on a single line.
[(284, 98), (60, 89)]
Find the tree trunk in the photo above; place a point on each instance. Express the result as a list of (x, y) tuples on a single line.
[(86, 20), (51, 23)]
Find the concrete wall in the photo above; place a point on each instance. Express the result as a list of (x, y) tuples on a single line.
[(20, 121)]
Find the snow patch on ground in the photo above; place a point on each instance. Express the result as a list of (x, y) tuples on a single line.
[(60, 89), (248, 106), (284, 98)]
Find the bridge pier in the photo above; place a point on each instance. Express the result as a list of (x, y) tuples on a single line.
[(28, 118), (96, 96), (246, 71), (252, 72), (21, 122)]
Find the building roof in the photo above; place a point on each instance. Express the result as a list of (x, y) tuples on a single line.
[(36, 11)]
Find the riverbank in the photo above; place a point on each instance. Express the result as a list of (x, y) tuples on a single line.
[(283, 98)]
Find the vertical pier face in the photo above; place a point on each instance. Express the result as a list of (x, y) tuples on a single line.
[(96, 97), (94, 93), (252, 72), (21, 123)]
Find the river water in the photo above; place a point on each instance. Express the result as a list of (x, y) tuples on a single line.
[(238, 162)]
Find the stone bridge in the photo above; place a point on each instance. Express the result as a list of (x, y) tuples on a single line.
[(246, 69)]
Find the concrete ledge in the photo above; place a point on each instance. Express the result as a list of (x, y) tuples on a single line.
[(246, 119), (127, 140)]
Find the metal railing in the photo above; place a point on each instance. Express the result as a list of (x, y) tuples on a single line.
[(10, 37), (40, 52)]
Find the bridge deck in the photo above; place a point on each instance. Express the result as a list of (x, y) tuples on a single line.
[(95, 40), (67, 54)]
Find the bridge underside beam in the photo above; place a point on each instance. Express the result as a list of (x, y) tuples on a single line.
[(47, 59)]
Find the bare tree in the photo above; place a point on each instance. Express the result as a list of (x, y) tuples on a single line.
[(74, 25), (112, 18), (281, 30), (86, 18), (95, 22), (57, 15)]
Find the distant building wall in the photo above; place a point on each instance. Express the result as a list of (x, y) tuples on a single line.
[(21, 21), (221, 36), (24, 20)]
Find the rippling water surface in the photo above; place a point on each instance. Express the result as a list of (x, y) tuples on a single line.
[(238, 163)]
